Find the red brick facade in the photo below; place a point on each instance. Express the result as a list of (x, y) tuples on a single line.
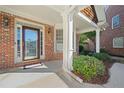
[(7, 43), (108, 35), (50, 54)]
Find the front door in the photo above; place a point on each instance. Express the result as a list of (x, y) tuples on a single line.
[(30, 43)]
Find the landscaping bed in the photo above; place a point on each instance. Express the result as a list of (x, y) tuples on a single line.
[(96, 80), (102, 79), (90, 65)]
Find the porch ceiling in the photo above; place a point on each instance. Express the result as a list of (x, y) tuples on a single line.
[(42, 13), (49, 14)]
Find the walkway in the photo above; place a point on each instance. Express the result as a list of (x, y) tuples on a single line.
[(116, 76)]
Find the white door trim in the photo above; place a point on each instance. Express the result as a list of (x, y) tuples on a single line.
[(15, 40), (17, 60), (43, 48)]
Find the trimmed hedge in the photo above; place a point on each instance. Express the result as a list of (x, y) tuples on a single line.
[(102, 56), (88, 67)]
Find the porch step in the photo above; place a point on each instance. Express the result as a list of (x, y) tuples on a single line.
[(40, 65)]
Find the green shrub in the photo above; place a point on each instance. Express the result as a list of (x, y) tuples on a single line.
[(88, 66), (102, 56), (85, 52), (102, 50), (81, 49)]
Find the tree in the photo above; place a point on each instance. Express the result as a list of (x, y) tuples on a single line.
[(84, 38), (88, 35)]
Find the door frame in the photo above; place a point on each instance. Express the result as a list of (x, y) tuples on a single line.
[(23, 42), (30, 24)]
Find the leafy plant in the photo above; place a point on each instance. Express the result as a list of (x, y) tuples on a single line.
[(102, 50), (91, 34), (102, 56), (88, 67), (83, 37)]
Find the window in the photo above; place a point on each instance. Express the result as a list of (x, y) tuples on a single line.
[(59, 40), (115, 21), (118, 42), (18, 41)]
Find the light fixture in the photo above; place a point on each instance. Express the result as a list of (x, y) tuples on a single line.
[(49, 30), (5, 21)]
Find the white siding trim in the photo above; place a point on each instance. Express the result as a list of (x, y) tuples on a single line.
[(28, 22), (43, 56)]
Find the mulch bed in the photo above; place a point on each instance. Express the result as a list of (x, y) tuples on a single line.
[(99, 79)]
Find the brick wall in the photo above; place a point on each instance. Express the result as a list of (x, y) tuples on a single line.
[(49, 44), (108, 35), (7, 43)]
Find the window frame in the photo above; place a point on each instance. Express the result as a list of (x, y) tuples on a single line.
[(113, 20), (117, 46), (55, 39)]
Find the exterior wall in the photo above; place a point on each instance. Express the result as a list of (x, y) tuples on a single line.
[(7, 44), (108, 35), (49, 44)]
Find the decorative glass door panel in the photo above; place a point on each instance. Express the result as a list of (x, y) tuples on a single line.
[(30, 44), (18, 43)]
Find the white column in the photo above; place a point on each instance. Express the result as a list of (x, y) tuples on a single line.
[(97, 40), (67, 42), (74, 34), (71, 39)]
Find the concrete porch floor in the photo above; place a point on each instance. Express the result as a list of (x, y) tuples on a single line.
[(51, 75), (35, 76)]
